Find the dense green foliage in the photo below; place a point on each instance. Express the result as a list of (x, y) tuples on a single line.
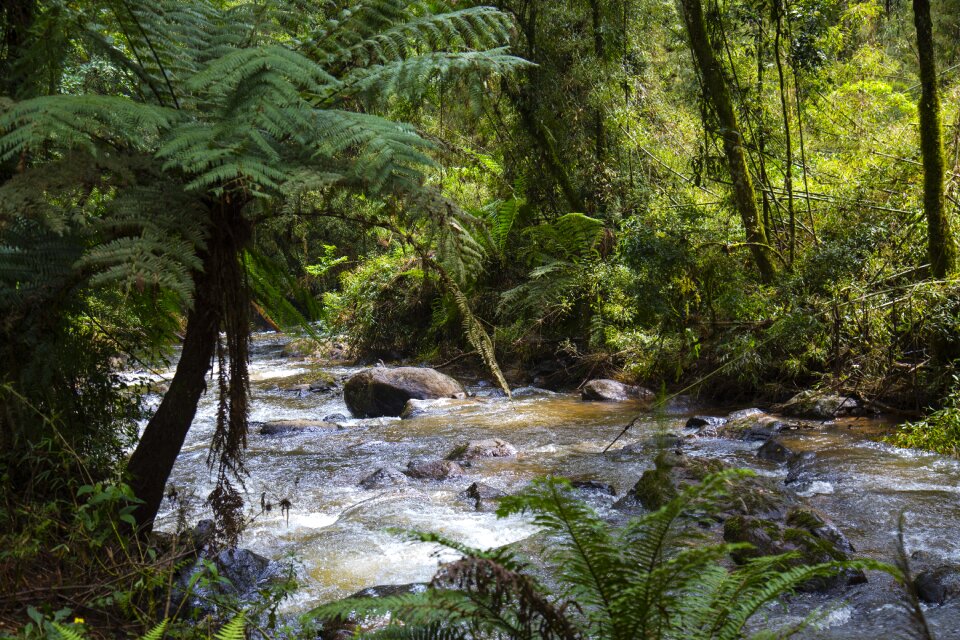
[(666, 192)]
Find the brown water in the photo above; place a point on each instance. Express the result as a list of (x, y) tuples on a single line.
[(337, 531)]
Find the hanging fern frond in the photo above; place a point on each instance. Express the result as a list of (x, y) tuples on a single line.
[(476, 334)]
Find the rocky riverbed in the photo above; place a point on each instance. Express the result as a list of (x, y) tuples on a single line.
[(347, 480)]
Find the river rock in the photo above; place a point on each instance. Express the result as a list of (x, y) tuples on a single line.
[(820, 405), (287, 427), (594, 486), (415, 408), (936, 586), (673, 471), (804, 531), (482, 496), (247, 573), (800, 468), (384, 392), (434, 470), (335, 417), (704, 424), (774, 451), (384, 477), (749, 424), (474, 449), (612, 391)]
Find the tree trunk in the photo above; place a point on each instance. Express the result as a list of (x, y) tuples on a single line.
[(718, 94), (940, 246), (153, 459)]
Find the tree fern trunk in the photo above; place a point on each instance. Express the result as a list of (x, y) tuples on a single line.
[(151, 462), (718, 95)]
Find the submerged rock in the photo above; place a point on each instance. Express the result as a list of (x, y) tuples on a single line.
[(749, 424), (612, 391), (594, 486), (384, 477), (434, 470), (482, 496), (821, 405), (705, 424), (287, 427), (384, 392), (474, 449), (936, 586), (415, 408), (774, 451)]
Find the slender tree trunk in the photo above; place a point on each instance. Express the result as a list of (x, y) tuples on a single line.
[(940, 245), (153, 459), (151, 462), (784, 108), (718, 94)]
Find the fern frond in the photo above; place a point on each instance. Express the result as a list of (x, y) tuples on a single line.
[(157, 632), (233, 630)]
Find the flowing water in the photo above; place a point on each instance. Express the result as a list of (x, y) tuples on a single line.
[(338, 532)]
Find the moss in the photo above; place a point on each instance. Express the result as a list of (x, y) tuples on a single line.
[(654, 489), (458, 451), (804, 519), (814, 550)]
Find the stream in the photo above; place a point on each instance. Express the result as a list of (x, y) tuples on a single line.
[(337, 534)]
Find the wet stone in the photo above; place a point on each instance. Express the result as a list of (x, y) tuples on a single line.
[(434, 470), (774, 451), (384, 477), (381, 391), (612, 391), (482, 496), (335, 417), (705, 422), (475, 449), (594, 486), (820, 405), (936, 586)]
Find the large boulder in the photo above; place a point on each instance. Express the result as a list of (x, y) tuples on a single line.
[(612, 391), (821, 405), (384, 392)]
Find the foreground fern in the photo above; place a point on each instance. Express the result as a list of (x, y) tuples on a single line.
[(644, 581)]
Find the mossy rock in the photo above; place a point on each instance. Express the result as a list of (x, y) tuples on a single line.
[(803, 532)]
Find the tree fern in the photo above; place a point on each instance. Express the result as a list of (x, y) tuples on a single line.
[(238, 107)]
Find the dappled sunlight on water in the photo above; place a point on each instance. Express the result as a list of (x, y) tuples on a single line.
[(339, 531)]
